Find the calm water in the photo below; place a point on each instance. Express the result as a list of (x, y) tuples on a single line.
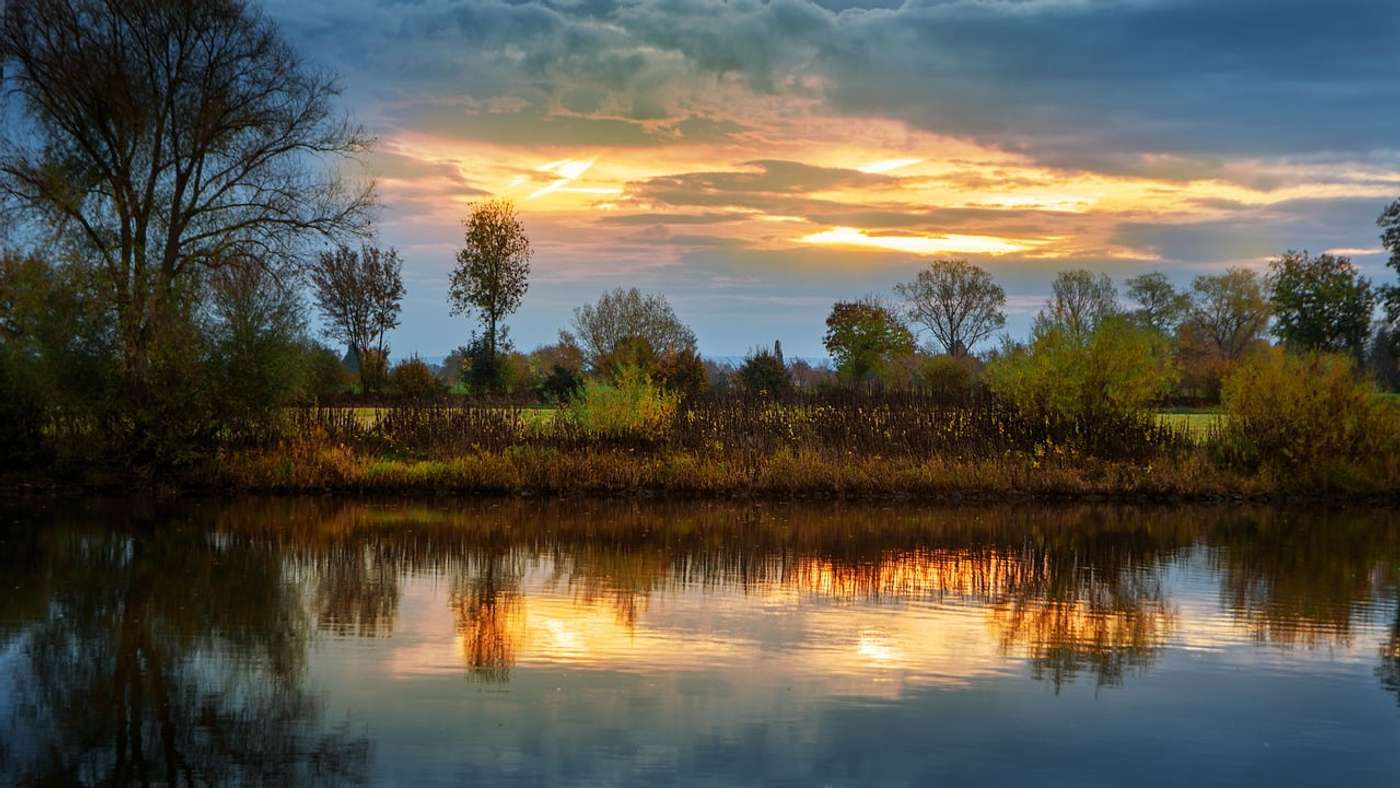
[(573, 643)]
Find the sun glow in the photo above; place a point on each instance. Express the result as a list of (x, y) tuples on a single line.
[(919, 244), (887, 165)]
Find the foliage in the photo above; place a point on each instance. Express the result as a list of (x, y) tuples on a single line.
[(358, 294), (625, 316), (763, 373), (412, 378), (1389, 294), (681, 372), (1118, 369), (493, 270), (560, 386), (949, 378), (160, 168), (862, 337), (1320, 303), (1080, 301), (1307, 418), (955, 301), (325, 377), (1230, 310), (1159, 306), (631, 403)]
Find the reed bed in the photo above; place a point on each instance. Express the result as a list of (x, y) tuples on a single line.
[(883, 424)]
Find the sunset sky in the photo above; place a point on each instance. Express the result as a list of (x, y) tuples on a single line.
[(756, 161)]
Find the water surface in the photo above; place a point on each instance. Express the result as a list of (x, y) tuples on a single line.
[(584, 643)]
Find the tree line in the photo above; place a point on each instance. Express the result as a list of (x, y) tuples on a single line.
[(180, 175)]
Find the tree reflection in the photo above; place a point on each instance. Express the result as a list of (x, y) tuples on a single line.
[(488, 612), (163, 653)]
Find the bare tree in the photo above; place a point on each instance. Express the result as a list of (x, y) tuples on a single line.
[(170, 138), (1231, 309), (1080, 302), (1159, 306), (358, 294), (955, 301), (622, 315), (493, 267)]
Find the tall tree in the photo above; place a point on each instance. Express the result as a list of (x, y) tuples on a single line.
[(493, 269), (1079, 302), (358, 294), (863, 336), (172, 138), (1389, 295), (1320, 303), (1230, 309), (1160, 307), (625, 315), (955, 301)]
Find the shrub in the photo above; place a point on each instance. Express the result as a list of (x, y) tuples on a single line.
[(949, 378), (631, 403), (1118, 369), (560, 385), (1307, 417), (764, 373), (414, 379)]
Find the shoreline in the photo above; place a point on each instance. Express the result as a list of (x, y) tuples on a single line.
[(525, 473)]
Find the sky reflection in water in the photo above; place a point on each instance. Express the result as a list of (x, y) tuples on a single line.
[(296, 641)]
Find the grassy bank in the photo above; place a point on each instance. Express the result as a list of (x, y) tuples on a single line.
[(782, 474)]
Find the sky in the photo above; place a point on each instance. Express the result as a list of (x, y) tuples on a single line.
[(756, 161)]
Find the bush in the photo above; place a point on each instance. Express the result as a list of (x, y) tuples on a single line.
[(560, 386), (631, 403), (324, 376), (764, 374), (1117, 370), (1309, 418), (949, 378), (414, 379)]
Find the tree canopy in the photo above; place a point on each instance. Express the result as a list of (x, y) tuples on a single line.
[(958, 303)]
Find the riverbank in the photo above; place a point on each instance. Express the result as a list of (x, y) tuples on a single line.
[(527, 471)]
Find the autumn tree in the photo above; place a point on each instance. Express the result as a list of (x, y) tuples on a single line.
[(1230, 310), (1320, 303), (168, 140), (956, 302), (358, 293), (1160, 306), (1080, 301), (624, 316), (492, 274), (863, 337)]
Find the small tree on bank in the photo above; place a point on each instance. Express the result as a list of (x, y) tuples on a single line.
[(490, 279), (359, 295), (956, 302), (863, 337)]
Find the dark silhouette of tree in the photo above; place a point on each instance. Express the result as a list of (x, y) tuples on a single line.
[(1320, 303), (955, 301), (491, 277), (764, 373), (169, 139), (1389, 222), (358, 293)]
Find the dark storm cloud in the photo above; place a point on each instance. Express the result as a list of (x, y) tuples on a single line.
[(1075, 82)]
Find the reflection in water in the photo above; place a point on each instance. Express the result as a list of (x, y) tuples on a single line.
[(176, 645)]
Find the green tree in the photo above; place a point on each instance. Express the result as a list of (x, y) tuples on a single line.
[(956, 302), (764, 372), (1118, 369), (863, 337), (1080, 301), (1230, 311), (1159, 306), (492, 273), (1320, 303)]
